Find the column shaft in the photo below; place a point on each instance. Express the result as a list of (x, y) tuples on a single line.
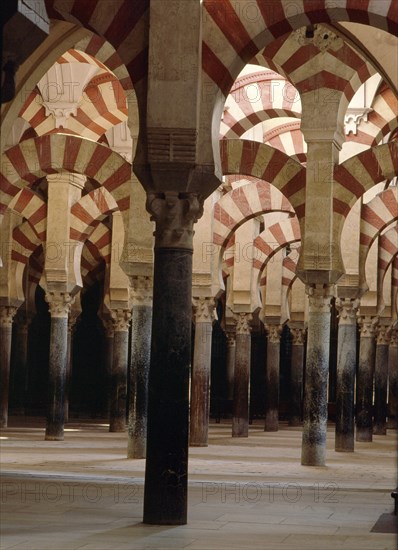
[(118, 409), (272, 379), (5, 357), (21, 364), (366, 365), (313, 451), (200, 385), (231, 349), (381, 375), (166, 475), (393, 380), (296, 377), (141, 322), (240, 418), (57, 379)]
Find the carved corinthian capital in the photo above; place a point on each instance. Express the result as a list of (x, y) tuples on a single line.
[(393, 331), (204, 310), (347, 311), (121, 319), (319, 298), (382, 335), (243, 323), (7, 315), (298, 336), (141, 290), (59, 303), (273, 333), (368, 326), (174, 214)]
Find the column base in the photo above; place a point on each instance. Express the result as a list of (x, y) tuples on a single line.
[(344, 443), (294, 422), (54, 438), (364, 435), (240, 428), (380, 430), (314, 455), (117, 427), (136, 451)]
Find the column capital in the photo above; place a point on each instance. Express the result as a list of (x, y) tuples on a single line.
[(174, 214), (7, 314), (121, 319), (204, 309), (319, 297), (59, 303), (393, 331), (382, 335), (298, 336), (109, 328), (274, 332), (230, 333), (243, 323), (368, 326), (141, 289), (347, 309)]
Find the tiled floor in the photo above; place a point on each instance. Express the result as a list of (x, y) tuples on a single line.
[(243, 493)]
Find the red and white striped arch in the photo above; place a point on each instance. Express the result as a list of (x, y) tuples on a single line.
[(271, 240), (387, 251), (376, 215), (249, 158), (24, 163), (92, 265), (289, 268), (394, 289), (25, 240), (381, 121), (256, 98), (289, 139), (245, 203), (234, 32), (123, 24), (358, 174), (33, 208), (88, 211)]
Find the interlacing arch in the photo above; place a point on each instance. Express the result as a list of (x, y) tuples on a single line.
[(88, 211), (32, 159), (33, 208), (387, 251), (249, 158)]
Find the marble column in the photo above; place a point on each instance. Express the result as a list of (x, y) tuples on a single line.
[(69, 364), (59, 305), (296, 376), (21, 359), (381, 375), (200, 378), (315, 415), (240, 418), (118, 407), (141, 326), (108, 360), (346, 366), (366, 365), (274, 332), (231, 351), (393, 378), (166, 474), (6, 316)]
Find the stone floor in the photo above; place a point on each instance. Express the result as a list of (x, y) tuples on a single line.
[(243, 493)]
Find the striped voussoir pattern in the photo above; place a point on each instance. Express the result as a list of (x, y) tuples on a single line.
[(358, 174), (394, 281), (96, 254), (25, 241), (33, 208), (103, 104), (381, 120), (88, 211), (32, 159), (288, 138), (36, 266), (235, 31), (387, 250), (249, 158), (256, 98), (271, 240), (124, 24), (244, 203), (289, 267)]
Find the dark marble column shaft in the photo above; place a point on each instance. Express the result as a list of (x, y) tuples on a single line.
[(6, 316), (240, 418), (346, 366), (313, 451), (166, 473), (141, 326), (21, 362), (366, 365), (118, 409), (108, 361), (200, 378), (57, 378), (296, 377), (393, 379), (272, 378), (381, 376), (69, 366), (231, 349)]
